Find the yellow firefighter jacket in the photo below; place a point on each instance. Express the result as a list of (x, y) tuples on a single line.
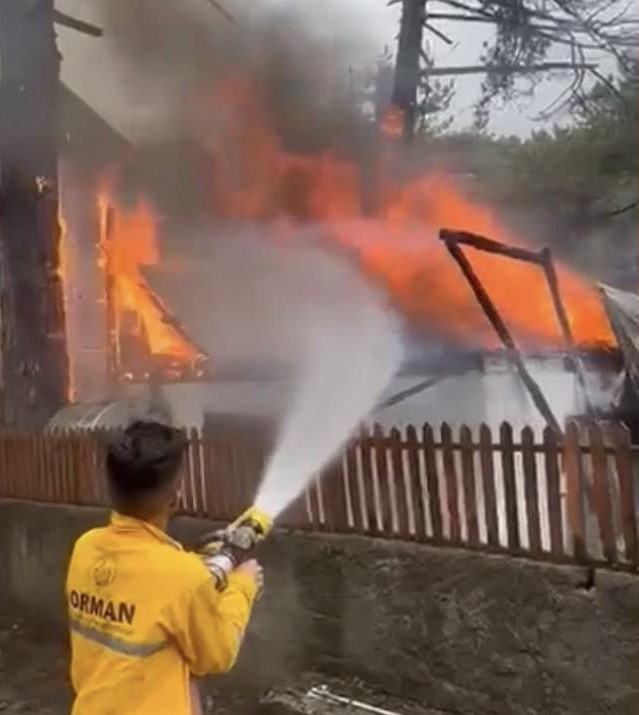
[(145, 617)]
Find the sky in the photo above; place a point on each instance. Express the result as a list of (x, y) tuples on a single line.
[(382, 22), (89, 70)]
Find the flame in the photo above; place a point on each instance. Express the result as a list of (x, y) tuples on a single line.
[(64, 271), (128, 244), (399, 246), (255, 178), (392, 123)]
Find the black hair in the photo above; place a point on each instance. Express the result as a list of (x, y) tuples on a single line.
[(143, 459)]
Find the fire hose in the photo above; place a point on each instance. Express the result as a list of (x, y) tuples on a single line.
[(225, 549)]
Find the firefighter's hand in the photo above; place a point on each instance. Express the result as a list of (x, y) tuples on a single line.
[(253, 569)]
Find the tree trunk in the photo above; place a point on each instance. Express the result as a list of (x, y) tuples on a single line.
[(409, 47), (34, 369)]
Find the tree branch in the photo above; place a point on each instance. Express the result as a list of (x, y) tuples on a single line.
[(223, 11), (438, 33), (86, 28), (622, 210), (521, 69)]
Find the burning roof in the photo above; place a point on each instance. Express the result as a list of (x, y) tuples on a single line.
[(254, 179)]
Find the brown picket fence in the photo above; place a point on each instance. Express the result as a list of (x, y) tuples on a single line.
[(565, 499)]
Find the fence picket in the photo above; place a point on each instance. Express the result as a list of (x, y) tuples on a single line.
[(6, 485), (531, 490), (101, 438), (334, 497), (575, 495), (418, 497), (213, 478), (468, 479), (510, 487), (555, 517), (295, 516), (57, 473), (26, 454), (13, 468), (198, 487), (432, 482), (623, 461), (450, 473), (488, 484), (383, 481), (602, 492), (399, 480), (368, 493), (353, 486)]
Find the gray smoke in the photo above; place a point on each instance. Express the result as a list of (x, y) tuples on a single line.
[(174, 54)]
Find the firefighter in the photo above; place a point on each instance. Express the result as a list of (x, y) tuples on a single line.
[(145, 616)]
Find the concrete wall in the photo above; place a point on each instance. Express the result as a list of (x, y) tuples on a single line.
[(466, 633)]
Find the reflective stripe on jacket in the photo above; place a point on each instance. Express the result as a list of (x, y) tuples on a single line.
[(145, 617)]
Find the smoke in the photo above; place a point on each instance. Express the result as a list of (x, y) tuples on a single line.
[(171, 56), (348, 352), (305, 309), (348, 361)]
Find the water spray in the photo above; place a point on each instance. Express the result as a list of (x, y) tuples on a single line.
[(351, 356), (335, 390), (345, 348)]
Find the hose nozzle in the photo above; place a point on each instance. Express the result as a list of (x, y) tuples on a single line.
[(256, 520), (224, 550)]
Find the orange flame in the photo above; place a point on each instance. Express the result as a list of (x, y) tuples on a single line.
[(255, 179), (392, 123), (400, 245), (128, 245), (64, 270)]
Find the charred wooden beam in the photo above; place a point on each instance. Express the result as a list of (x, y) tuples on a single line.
[(112, 337), (564, 323), (543, 259), (35, 367), (489, 245), (421, 386), (173, 322), (500, 328)]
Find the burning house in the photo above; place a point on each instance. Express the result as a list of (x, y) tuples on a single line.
[(175, 248), (139, 320)]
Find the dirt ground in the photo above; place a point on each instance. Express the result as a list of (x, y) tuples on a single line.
[(33, 681)]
